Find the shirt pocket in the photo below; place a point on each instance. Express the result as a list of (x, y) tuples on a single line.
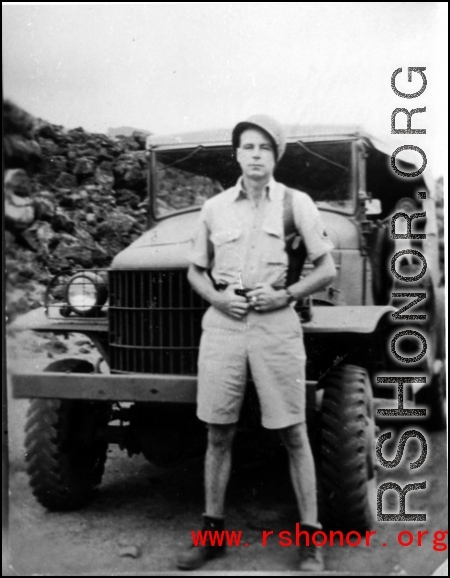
[(273, 245), (227, 250)]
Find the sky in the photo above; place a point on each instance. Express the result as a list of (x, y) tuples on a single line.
[(171, 67)]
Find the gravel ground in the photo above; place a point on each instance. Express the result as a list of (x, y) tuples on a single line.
[(143, 515)]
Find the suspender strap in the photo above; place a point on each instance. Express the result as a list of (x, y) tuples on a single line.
[(295, 246)]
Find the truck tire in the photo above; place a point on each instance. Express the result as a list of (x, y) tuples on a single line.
[(65, 461), (434, 398), (346, 449), (434, 395)]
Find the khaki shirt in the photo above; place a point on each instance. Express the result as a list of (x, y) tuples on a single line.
[(244, 244)]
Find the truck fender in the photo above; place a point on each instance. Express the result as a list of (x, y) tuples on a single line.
[(38, 320), (346, 318)]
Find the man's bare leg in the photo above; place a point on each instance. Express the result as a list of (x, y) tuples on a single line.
[(303, 476), (218, 466), (217, 474), (301, 464)]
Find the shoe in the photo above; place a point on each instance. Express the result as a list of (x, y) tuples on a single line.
[(311, 560), (311, 557), (196, 556)]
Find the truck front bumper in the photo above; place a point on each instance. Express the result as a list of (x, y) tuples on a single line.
[(105, 387)]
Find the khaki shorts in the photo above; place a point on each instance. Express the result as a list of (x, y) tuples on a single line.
[(272, 345)]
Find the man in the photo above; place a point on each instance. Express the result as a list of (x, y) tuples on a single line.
[(240, 240)]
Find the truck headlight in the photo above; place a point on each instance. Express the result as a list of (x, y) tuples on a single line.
[(86, 293)]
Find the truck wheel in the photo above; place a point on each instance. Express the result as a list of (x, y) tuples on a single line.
[(434, 398), (347, 449), (65, 461), (434, 395)]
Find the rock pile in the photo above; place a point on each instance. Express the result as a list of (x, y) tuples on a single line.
[(72, 199)]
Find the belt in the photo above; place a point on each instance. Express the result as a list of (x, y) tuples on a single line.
[(223, 286), (241, 292), (303, 307)]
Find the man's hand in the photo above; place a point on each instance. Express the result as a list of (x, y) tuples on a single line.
[(266, 298), (228, 302)]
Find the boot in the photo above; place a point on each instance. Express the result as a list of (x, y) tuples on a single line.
[(195, 556), (311, 558)]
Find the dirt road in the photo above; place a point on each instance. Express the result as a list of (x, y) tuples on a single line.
[(143, 515)]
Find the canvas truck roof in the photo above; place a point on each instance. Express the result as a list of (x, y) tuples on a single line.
[(222, 136), (217, 137)]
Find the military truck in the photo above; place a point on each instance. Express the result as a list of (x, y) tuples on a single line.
[(145, 320)]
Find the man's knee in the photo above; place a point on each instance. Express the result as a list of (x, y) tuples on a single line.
[(220, 437), (295, 437)]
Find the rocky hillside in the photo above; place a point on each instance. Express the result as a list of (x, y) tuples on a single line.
[(72, 200)]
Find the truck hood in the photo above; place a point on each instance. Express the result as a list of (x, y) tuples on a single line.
[(167, 245)]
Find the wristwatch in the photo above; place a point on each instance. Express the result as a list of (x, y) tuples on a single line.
[(290, 297)]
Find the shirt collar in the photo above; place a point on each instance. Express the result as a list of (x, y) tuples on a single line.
[(270, 189)]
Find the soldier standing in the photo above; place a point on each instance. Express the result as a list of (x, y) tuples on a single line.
[(240, 240)]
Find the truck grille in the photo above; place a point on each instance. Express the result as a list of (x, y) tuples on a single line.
[(155, 322)]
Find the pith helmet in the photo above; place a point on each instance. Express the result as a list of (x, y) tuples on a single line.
[(269, 125)]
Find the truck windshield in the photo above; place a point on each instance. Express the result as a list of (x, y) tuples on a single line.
[(185, 178)]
